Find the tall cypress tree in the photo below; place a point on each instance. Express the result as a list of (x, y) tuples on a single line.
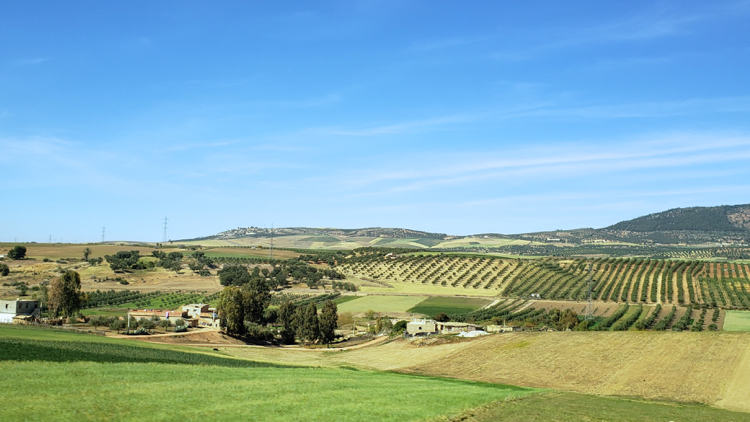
[(328, 322)]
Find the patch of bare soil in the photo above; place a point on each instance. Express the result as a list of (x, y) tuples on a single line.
[(195, 337)]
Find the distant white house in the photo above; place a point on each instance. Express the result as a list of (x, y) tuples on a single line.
[(18, 310)]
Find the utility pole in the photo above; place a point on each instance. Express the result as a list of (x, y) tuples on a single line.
[(103, 230), (589, 305), (270, 251), (164, 239)]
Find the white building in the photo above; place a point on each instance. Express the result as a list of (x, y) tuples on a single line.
[(18, 310)]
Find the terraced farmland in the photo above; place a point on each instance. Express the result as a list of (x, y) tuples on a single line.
[(625, 280)]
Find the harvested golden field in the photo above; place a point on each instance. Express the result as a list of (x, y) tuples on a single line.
[(710, 368)]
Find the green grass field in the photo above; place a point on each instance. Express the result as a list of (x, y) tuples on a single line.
[(81, 379), (558, 406), (381, 304), (737, 321), (450, 305)]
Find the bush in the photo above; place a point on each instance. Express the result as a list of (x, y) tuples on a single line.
[(18, 252), (117, 325), (4, 270), (713, 327), (257, 332), (180, 329), (399, 328)]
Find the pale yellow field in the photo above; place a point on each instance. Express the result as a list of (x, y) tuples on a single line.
[(710, 368), (430, 289)]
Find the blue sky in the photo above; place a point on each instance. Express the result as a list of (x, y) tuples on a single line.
[(502, 117)]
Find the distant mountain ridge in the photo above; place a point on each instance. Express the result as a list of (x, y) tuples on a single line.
[(724, 218), (693, 225)]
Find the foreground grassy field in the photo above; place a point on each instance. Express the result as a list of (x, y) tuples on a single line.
[(82, 377), (558, 406), (79, 379)]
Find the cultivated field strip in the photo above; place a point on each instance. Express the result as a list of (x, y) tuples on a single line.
[(622, 280)]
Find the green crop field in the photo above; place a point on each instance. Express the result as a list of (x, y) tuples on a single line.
[(381, 304), (737, 321), (79, 379), (450, 305)]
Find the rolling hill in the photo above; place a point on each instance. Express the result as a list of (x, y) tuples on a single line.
[(679, 226)]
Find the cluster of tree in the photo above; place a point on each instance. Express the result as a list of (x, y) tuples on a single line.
[(305, 323), (330, 258), (247, 303), (237, 275), (563, 320), (18, 252), (125, 260), (338, 285), (200, 262), (169, 261)]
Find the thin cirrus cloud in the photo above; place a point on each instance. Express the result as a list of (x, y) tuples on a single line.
[(31, 61), (567, 162)]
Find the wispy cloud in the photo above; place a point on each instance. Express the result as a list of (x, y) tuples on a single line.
[(560, 162), (31, 61)]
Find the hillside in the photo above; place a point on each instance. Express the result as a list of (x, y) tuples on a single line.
[(679, 226), (723, 218)]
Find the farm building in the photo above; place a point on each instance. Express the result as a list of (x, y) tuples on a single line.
[(421, 326), (18, 310), (502, 328), (195, 315), (456, 327)]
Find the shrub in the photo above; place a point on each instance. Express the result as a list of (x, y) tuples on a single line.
[(180, 329), (4, 270)]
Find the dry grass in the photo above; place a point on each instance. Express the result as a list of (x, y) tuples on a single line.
[(710, 368)]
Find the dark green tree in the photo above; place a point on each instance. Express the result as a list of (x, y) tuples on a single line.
[(4, 270), (308, 328), (328, 322), (64, 294), (233, 275), (86, 253), (18, 252), (287, 312), (232, 311), (257, 296)]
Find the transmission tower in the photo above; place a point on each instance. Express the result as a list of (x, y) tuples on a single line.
[(50, 238), (164, 239), (589, 305), (103, 231)]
